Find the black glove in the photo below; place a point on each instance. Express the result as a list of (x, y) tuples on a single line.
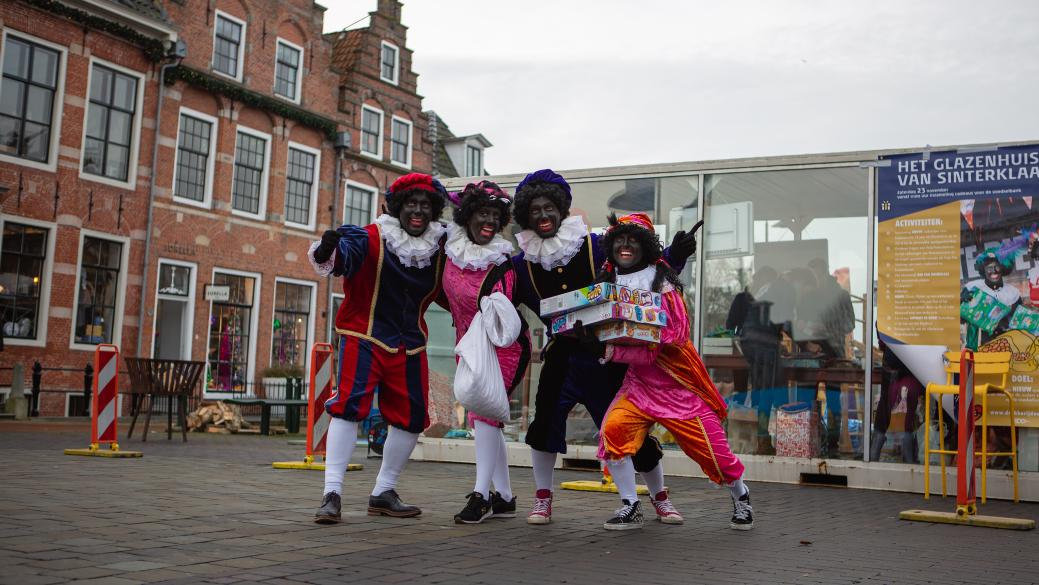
[(589, 341), (329, 241), (683, 245), (966, 295)]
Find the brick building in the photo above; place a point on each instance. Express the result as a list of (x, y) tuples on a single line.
[(78, 98), (259, 113)]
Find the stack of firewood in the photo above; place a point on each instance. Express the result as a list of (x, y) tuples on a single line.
[(217, 417)]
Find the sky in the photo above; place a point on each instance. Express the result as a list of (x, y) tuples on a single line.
[(576, 84)]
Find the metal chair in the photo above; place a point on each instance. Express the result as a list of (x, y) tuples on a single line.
[(991, 370)]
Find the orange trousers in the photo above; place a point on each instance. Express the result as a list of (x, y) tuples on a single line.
[(702, 438)]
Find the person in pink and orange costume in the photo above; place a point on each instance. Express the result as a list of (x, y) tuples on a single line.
[(478, 266), (665, 383)]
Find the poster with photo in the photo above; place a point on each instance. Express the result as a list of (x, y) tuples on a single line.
[(957, 254)]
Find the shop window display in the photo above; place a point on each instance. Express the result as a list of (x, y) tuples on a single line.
[(784, 292), (230, 331)]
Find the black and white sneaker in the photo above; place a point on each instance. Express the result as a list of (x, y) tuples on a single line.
[(627, 517), (742, 513), (476, 510), (501, 507)]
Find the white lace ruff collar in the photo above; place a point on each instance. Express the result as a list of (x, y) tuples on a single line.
[(642, 280), (468, 255), (412, 251), (557, 250)]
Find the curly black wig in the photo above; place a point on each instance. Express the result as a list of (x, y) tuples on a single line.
[(396, 203), (528, 193), (475, 196), (652, 253)]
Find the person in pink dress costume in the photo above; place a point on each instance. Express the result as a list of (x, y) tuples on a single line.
[(478, 265), (666, 383)]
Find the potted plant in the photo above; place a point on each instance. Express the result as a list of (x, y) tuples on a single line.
[(276, 379)]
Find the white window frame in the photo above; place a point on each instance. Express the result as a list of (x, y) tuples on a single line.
[(396, 63), (310, 317), (382, 130), (135, 136), (411, 141), (332, 316), (372, 190), (189, 325), (261, 210), (473, 172), (239, 70), (48, 275), (299, 71), (120, 295), (56, 108), (207, 200), (312, 215), (254, 324)]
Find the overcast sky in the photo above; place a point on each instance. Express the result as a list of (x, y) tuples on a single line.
[(589, 83)]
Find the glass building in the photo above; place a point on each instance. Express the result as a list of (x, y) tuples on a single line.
[(797, 232)]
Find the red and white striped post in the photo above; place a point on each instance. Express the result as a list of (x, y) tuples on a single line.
[(965, 488), (105, 399), (320, 390)]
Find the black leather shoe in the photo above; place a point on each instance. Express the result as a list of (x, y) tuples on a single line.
[(330, 510), (388, 503)]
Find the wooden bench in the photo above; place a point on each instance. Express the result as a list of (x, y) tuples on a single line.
[(151, 378), (265, 405)]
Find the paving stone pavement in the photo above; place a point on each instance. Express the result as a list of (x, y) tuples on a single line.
[(213, 511)]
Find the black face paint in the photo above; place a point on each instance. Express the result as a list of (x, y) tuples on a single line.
[(416, 213), (484, 224), (544, 217), (993, 274), (627, 253)]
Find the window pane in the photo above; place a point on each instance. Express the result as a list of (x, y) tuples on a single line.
[(21, 279), (36, 141), (119, 127), (97, 121), (16, 58), (45, 66), (101, 85), (98, 290), (125, 92), (39, 106), (12, 97), (93, 152), (174, 280), (118, 162)]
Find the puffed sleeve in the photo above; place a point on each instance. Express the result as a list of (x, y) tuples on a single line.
[(676, 331), (353, 247)]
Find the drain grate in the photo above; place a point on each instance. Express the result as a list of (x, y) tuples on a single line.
[(824, 479)]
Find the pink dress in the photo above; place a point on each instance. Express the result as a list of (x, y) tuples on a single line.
[(462, 288)]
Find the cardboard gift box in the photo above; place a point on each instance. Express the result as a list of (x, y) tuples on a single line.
[(628, 333), (598, 293), (611, 311), (983, 311)]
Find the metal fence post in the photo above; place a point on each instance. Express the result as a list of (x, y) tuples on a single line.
[(37, 374), (88, 381)]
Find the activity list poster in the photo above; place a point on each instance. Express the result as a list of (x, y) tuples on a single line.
[(939, 212)]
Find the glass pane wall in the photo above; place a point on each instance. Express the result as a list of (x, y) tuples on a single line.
[(784, 287)]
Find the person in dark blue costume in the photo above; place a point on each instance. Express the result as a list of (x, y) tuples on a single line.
[(558, 254)]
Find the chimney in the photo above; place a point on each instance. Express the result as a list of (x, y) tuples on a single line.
[(389, 9)]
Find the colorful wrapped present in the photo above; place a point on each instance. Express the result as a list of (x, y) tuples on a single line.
[(983, 311), (628, 333), (611, 311), (598, 293), (1025, 319), (797, 430)]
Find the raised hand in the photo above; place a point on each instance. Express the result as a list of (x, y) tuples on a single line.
[(329, 241)]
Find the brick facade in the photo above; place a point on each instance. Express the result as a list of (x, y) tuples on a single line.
[(208, 231)]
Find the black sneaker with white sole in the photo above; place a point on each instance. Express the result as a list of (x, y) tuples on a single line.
[(742, 513), (627, 517), (476, 510), (501, 507)]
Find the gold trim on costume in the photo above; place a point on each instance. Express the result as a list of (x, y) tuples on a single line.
[(710, 448), (378, 281)]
